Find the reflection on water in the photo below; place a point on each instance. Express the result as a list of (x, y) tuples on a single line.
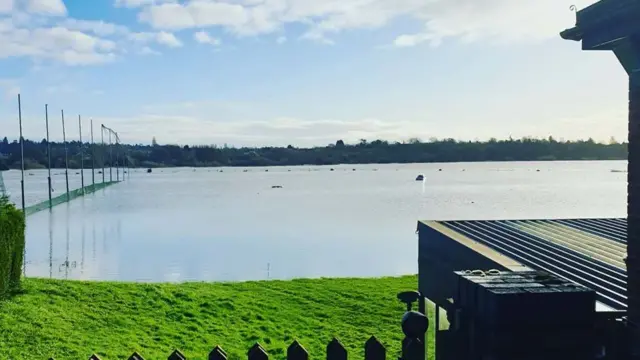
[(181, 224)]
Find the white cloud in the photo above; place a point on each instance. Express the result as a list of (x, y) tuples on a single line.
[(281, 40), (46, 7), (6, 6), (58, 43), (494, 20), (9, 88), (148, 51), (204, 38), (139, 3), (278, 131), (194, 14), (100, 28), (168, 39), (162, 38)]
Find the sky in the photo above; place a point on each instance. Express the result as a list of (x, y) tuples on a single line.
[(304, 72)]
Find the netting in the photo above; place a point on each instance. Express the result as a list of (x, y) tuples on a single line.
[(3, 190), (73, 194)]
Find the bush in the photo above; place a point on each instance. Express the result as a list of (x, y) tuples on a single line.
[(12, 242)]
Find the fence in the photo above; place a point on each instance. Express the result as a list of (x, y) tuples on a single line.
[(72, 194), (414, 326), (373, 350), (74, 151)]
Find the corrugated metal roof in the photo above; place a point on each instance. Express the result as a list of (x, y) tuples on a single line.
[(590, 252)]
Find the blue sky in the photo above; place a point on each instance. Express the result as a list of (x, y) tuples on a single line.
[(305, 72)]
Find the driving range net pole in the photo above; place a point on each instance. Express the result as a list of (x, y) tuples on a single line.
[(93, 158), (46, 120), (103, 152), (81, 154), (66, 155)]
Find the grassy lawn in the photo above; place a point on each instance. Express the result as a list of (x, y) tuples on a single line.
[(71, 320)]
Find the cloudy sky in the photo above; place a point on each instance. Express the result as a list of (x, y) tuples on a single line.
[(305, 72)]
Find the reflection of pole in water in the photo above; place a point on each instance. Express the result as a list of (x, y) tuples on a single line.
[(66, 263), (93, 238), (104, 240), (118, 231), (50, 244), (82, 256)]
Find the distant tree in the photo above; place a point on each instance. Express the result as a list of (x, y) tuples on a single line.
[(365, 152), (154, 142), (612, 141)]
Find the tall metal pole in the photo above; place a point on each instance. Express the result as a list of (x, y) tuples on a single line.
[(81, 154), (93, 158), (117, 158), (46, 117), (24, 251), (102, 157), (66, 155), (110, 158), (21, 151)]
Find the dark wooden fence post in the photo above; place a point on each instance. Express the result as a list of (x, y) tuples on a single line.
[(217, 354), (336, 351), (297, 352), (135, 356), (374, 350), (257, 352), (414, 327), (177, 355)]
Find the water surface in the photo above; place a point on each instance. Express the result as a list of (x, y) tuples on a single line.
[(230, 224)]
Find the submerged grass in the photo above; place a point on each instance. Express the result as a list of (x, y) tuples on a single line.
[(72, 320)]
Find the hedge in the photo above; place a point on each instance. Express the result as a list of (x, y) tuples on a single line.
[(12, 229)]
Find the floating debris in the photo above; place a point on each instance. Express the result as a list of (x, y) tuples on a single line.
[(353, 169), (149, 171), (331, 169), (420, 177), (276, 187), (439, 169)]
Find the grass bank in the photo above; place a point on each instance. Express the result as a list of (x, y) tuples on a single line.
[(71, 320)]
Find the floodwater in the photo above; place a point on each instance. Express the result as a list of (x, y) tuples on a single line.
[(230, 224)]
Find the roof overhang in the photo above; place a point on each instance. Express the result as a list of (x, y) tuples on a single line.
[(610, 25)]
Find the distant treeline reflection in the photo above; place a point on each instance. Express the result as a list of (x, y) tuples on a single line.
[(364, 152)]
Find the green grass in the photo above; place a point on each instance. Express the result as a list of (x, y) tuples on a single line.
[(72, 320)]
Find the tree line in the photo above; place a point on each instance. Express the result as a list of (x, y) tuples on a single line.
[(363, 152)]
